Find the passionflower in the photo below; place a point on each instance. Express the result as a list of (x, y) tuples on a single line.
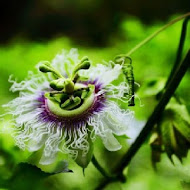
[(66, 104)]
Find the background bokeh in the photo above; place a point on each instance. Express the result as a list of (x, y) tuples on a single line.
[(31, 31)]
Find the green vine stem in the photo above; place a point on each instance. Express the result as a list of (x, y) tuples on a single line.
[(146, 40), (99, 168), (176, 75), (109, 177), (172, 86), (180, 48)]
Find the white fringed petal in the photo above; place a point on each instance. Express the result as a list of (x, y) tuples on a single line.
[(134, 130), (37, 142), (116, 119), (65, 61), (52, 146), (77, 141), (105, 74), (105, 128), (48, 159), (112, 120), (118, 92), (110, 142)]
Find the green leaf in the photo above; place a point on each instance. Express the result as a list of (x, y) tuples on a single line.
[(168, 137), (182, 144), (56, 167), (185, 185), (27, 175), (181, 118), (175, 129), (156, 148), (61, 167)]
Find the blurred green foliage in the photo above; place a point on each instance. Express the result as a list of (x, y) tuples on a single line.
[(152, 61)]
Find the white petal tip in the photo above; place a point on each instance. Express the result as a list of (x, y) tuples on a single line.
[(110, 142)]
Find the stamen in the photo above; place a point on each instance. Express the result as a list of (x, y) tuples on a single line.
[(46, 67), (84, 64)]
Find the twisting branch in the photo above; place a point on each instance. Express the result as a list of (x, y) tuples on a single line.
[(180, 48), (172, 86), (108, 178), (146, 40), (177, 73), (99, 168)]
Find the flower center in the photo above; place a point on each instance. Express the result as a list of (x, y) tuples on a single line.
[(73, 100), (69, 106)]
